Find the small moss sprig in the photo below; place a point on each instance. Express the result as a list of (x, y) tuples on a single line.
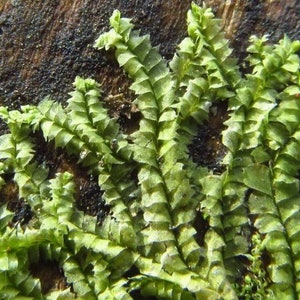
[(255, 283)]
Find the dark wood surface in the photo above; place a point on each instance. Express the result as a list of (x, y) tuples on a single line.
[(46, 43)]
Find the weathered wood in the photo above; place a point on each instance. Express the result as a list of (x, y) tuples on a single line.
[(45, 44), (242, 19)]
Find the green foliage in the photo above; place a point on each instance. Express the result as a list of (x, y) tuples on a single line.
[(150, 244)]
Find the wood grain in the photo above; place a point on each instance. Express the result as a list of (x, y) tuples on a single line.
[(45, 44)]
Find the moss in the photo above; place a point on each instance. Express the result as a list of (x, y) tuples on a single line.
[(160, 224)]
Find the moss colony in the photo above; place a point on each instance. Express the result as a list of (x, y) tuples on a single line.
[(164, 227)]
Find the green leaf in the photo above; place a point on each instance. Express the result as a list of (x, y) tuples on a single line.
[(258, 177)]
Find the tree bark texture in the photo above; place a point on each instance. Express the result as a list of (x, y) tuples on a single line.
[(46, 43)]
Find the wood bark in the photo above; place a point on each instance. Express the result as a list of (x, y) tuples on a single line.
[(46, 43)]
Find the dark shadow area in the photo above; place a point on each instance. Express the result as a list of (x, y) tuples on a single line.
[(51, 276), (206, 149)]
